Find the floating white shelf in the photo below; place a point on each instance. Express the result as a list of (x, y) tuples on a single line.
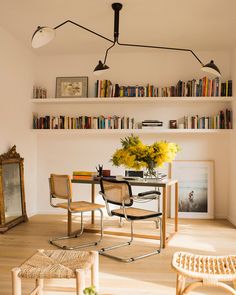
[(129, 100), (133, 131)]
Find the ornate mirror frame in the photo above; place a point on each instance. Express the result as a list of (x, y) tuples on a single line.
[(12, 157)]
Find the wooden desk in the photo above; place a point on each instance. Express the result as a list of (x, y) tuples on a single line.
[(164, 184)]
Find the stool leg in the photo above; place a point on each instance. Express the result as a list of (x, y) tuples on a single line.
[(95, 271), (16, 282), (180, 284), (80, 281), (234, 284), (39, 283)]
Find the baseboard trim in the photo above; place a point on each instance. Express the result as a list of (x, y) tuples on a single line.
[(231, 220)]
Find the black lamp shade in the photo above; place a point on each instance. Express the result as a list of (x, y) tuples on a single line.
[(211, 68), (100, 67)]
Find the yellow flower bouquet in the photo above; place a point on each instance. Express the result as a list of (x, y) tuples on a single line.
[(136, 155)]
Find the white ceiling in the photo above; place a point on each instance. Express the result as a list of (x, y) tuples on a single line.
[(194, 24)]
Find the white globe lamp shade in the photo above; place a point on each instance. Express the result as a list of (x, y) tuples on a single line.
[(42, 36)]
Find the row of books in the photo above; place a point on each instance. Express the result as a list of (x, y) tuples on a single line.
[(39, 92), (223, 120), (202, 87), (83, 122)]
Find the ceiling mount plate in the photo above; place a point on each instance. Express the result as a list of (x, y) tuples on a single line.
[(116, 6)]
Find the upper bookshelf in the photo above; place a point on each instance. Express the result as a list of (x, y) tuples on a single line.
[(129, 100)]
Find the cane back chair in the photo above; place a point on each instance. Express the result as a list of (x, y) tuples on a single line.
[(60, 188), (119, 193)]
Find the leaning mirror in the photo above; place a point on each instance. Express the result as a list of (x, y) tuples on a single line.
[(12, 193)]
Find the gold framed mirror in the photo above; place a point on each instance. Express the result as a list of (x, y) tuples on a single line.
[(12, 192)]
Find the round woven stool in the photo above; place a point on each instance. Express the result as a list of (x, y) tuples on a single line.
[(56, 264), (207, 270)]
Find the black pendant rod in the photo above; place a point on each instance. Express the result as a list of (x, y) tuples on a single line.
[(116, 7)]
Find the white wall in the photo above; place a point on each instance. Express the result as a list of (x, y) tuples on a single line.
[(65, 153), (232, 195), (16, 80)]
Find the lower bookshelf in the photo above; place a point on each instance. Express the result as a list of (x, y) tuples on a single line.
[(133, 131)]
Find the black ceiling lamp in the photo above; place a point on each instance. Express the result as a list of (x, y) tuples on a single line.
[(44, 35)]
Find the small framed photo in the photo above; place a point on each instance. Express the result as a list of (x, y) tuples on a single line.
[(71, 87), (173, 124), (196, 188)]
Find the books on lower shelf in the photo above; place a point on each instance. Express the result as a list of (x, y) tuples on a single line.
[(83, 122), (223, 120), (193, 88)]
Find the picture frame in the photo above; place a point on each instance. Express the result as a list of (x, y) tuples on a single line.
[(196, 188), (67, 87), (12, 192)]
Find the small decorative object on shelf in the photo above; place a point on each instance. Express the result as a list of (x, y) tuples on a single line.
[(83, 122), (173, 124), (39, 92), (71, 87), (194, 88), (147, 124), (136, 155)]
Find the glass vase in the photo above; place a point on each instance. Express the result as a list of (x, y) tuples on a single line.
[(150, 171)]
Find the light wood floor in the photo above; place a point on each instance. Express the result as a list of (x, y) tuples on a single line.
[(152, 275)]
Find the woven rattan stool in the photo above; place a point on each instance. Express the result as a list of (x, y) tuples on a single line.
[(207, 270), (56, 264)]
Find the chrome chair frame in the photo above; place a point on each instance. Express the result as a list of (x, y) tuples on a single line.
[(123, 206), (76, 233)]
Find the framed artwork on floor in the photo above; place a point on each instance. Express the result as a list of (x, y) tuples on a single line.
[(71, 87), (196, 188)]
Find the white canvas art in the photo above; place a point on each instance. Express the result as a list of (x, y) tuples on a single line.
[(196, 196)]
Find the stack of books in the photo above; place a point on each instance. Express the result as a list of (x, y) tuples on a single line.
[(147, 124), (84, 175)]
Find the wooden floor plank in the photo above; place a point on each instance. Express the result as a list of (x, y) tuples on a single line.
[(152, 275)]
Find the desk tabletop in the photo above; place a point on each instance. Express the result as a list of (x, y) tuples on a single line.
[(136, 182)]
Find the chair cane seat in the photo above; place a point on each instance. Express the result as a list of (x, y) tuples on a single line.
[(80, 206), (136, 213)]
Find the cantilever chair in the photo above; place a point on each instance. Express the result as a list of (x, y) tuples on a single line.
[(119, 193), (60, 188)]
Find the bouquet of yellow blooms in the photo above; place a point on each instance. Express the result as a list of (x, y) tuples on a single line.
[(136, 155)]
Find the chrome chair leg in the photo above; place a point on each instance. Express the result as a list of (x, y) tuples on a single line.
[(77, 234), (130, 259)]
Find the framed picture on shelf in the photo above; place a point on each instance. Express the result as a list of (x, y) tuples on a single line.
[(196, 188), (71, 87)]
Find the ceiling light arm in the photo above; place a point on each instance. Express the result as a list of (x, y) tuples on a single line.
[(105, 58), (82, 27), (162, 47)]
